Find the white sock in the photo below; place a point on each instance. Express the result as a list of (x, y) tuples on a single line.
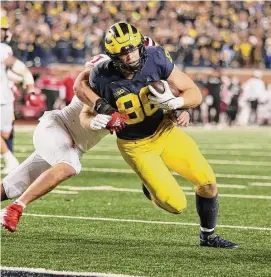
[(8, 156), (19, 202)]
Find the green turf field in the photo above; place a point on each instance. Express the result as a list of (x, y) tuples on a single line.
[(100, 221)]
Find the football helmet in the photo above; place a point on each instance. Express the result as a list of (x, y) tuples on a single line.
[(123, 38)]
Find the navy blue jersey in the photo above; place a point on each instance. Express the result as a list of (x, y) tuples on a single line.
[(131, 96)]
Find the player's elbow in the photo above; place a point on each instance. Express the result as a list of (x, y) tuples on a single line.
[(84, 120), (197, 99), (78, 90)]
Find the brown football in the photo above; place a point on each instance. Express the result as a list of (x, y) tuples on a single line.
[(159, 87)]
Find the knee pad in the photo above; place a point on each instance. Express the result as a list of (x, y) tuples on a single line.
[(173, 203)]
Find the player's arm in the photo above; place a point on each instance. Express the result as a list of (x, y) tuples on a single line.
[(82, 89), (21, 69), (81, 86), (191, 96), (89, 120), (86, 115)]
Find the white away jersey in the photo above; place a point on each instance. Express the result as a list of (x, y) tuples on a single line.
[(6, 96), (84, 139)]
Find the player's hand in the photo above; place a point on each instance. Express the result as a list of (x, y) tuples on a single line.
[(161, 99), (117, 122), (182, 117), (165, 100), (100, 121)]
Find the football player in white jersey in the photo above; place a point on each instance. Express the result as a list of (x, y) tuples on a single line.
[(8, 61), (59, 141)]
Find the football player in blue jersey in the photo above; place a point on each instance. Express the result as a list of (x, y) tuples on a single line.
[(150, 143)]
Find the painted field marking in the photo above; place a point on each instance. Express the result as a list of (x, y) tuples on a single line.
[(211, 161), (257, 184), (18, 270), (145, 221), (110, 188), (130, 171)]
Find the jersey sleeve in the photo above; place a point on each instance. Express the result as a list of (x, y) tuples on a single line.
[(164, 63), (6, 52), (93, 80)]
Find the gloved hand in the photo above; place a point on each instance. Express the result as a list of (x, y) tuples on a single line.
[(32, 99), (165, 100), (117, 122), (99, 121)]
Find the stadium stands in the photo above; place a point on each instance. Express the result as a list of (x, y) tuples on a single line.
[(199, 34)]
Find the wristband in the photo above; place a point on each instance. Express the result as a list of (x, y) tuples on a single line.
[(176, 103), (102, 107)]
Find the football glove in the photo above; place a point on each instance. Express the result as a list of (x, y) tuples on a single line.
[(102, 107), (32, 99), (117, 122), (99, 121), (166, 100)]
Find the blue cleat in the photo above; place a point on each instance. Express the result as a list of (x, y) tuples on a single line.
[(216, 241)]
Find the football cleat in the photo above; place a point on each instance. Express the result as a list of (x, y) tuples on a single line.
[(10, 216), (216, 241)]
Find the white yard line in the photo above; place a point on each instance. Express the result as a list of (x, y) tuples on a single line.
[(236, 153), (257, 184), (242, 196), (26, 148), (59, 191), (17, 271), (232, 186), (107, 188), (241, 176), (110, 188), (204, 147), (235, 146), (130, 171), (86, 188), (145, 221), (211, 161), (237, 162)]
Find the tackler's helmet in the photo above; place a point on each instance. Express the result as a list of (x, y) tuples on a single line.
[(123, 38)]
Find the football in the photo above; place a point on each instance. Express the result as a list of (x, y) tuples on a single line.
[(159, 87)]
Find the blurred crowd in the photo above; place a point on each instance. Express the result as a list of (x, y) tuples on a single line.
[(227, 101), (227, 34)]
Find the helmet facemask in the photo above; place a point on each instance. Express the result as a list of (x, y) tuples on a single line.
[(129, 68)]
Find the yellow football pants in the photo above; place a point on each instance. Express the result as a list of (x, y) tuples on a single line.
[(152, 158)]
